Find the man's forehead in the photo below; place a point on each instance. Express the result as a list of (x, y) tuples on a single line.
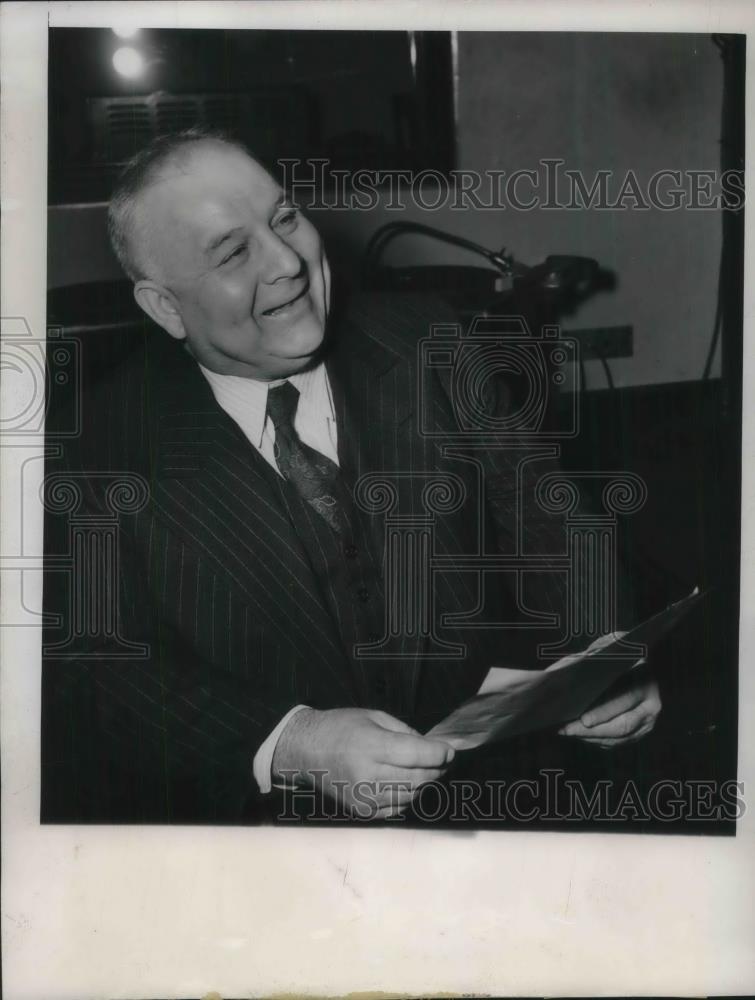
[(209, 181), (196, 199)]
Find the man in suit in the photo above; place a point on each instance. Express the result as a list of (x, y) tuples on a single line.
[(252, 572)]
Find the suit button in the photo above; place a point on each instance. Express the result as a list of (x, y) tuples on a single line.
[(351, 551), (363, 594)]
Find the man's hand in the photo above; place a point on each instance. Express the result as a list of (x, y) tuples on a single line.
[(373, 764), (623, 718)]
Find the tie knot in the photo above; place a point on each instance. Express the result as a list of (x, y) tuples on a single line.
[(281, 405)]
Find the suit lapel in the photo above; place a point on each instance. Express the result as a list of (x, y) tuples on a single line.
[(213, 489), (365, 376), (377, 380), (373, 372)]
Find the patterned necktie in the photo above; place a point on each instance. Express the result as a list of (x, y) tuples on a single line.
[(316, 478)]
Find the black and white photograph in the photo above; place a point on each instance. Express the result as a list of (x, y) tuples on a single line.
[(376, 460), (328, 513)]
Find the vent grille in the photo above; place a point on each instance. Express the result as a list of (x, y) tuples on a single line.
[(270, 121)]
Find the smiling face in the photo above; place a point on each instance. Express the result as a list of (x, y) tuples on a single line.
[(238, 273)]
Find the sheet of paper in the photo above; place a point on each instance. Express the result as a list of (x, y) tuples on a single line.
[(511, 702)]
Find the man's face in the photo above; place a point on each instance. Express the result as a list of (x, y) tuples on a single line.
[(247, 273)]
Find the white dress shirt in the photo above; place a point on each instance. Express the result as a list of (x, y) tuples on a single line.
[(245, 401)]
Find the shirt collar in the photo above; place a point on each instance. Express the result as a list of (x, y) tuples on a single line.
[(245, 399)]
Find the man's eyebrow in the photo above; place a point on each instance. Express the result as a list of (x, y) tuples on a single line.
[(218, 241)]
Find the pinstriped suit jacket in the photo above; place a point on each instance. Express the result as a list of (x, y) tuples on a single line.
[(214, 580)]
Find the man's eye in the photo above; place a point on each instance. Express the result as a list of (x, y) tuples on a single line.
[(288, 219), (238, 252)]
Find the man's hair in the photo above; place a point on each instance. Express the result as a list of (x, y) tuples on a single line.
[(137, 175)]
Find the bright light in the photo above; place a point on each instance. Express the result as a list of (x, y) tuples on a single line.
[(126, 31), (128, 62)]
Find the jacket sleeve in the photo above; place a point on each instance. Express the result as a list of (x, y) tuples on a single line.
[(140, 722)]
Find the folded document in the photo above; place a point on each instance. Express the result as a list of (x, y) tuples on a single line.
[(511, 702)]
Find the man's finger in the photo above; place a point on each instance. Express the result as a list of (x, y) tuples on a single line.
[(408, 776), (613, 707), (388, 812), (408, 750), (608, 744), (382, 798), (617, 728)]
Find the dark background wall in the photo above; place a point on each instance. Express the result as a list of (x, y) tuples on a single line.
[(599, 102), (607, 102)]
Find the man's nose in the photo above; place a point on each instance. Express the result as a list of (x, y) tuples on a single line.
[(280, 259)]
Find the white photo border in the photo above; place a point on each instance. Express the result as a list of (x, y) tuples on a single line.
[(144, 912)]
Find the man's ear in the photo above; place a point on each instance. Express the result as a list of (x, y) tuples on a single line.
[(161, 306)]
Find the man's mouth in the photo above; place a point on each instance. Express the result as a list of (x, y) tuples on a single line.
[(285, 306)]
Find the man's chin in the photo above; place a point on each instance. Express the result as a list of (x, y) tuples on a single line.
[(295, 365), (301, 349)]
